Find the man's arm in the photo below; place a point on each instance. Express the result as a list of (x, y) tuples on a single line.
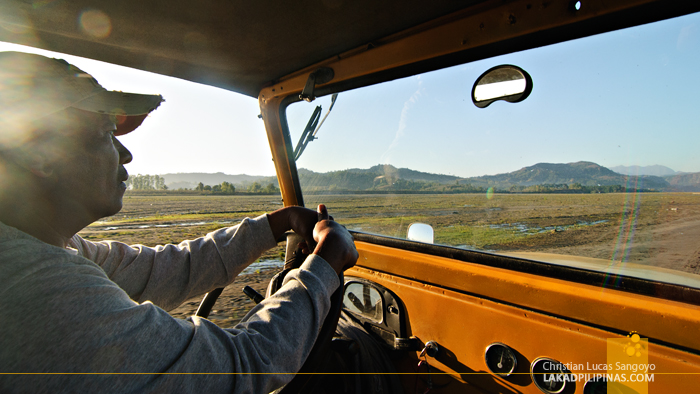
[(168, 275), (65, 315), (71, 318)]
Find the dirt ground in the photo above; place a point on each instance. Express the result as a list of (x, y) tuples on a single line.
[(232, 304), (658, 229), (674, 245), (662, 230)]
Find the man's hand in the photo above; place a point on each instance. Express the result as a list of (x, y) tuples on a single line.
[(300, 220), (333, 242), (321, 234)]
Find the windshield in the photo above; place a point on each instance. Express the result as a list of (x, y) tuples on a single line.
[(597, 169)]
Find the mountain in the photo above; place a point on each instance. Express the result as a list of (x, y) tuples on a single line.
[(380, 177), (582, 172), (376, 177), (387, 178), (686, 182), (655, 170), (389, 171)]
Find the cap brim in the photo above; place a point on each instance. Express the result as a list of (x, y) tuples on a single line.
[(130, 108), (127, 124)]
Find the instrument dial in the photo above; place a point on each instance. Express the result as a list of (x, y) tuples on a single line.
[(552, 377), (500, 359)]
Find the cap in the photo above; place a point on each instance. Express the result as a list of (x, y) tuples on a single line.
[(34, 86)]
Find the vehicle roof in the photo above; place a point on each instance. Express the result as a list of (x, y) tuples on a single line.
[(235, 45), (246, 47)]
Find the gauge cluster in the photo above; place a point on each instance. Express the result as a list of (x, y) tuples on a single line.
[(382, 313), (549, 375)]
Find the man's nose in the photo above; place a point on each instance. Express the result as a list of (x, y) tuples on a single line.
[(124, 154)]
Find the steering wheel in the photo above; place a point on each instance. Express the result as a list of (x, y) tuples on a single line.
[(321, 351)]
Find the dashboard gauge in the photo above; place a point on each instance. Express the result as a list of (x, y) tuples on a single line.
[(600, 385), (596, 386), (500, 359), (552, 377)]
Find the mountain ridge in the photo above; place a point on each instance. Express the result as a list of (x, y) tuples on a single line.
[(387, 177), (656, 170), (584, 173)]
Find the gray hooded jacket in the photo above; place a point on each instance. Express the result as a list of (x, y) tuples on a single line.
[(89, 318)]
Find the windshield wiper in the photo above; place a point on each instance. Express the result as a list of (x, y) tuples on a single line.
[(312, 127)]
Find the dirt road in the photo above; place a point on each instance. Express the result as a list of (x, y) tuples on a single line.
[(674, 244), (232, 305)]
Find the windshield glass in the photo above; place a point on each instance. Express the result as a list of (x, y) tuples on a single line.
[(597, 169)]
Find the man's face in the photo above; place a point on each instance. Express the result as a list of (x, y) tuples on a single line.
[(88, 165)]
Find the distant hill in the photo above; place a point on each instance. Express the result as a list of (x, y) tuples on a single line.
[(583, 176), (655, 170), (389, 171), (678, 181), (687, 182), (582, 172), (380, 177)]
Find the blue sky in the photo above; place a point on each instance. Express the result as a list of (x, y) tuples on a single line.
[(622, 98)]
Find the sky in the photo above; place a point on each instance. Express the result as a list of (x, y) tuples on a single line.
[(628, 97), (198, 128)]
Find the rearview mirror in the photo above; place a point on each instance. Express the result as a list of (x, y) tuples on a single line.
[(420, 232), (506, 82)]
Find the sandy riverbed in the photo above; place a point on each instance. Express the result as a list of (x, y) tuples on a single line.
[(232, 305)]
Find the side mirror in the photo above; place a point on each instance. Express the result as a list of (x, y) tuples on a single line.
[(420, 232), (506, 82)]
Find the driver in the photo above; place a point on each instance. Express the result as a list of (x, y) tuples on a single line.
[(90, 317)]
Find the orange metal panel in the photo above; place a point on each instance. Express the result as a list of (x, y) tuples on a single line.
[(668, 321), (464, 325)]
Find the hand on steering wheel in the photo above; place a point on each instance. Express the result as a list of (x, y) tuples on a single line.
[(333, 242), (321, 234), (335, 245)]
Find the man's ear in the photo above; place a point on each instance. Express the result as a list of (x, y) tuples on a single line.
[(32, 160), (40, 166)]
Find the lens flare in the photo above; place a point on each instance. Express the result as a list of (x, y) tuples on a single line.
[(20, 23), (489, 193), (628, 225), (95, 23), (37, 4)]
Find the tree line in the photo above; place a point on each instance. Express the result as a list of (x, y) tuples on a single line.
[(156, 182), (572, 188), (346, 182), (228, 188), (146, 182), (222, 188)]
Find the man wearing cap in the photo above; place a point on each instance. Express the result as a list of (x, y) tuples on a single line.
[(84, 314)]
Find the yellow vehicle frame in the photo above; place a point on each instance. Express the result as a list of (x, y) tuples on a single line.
[(463, 300), (465, 306)]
